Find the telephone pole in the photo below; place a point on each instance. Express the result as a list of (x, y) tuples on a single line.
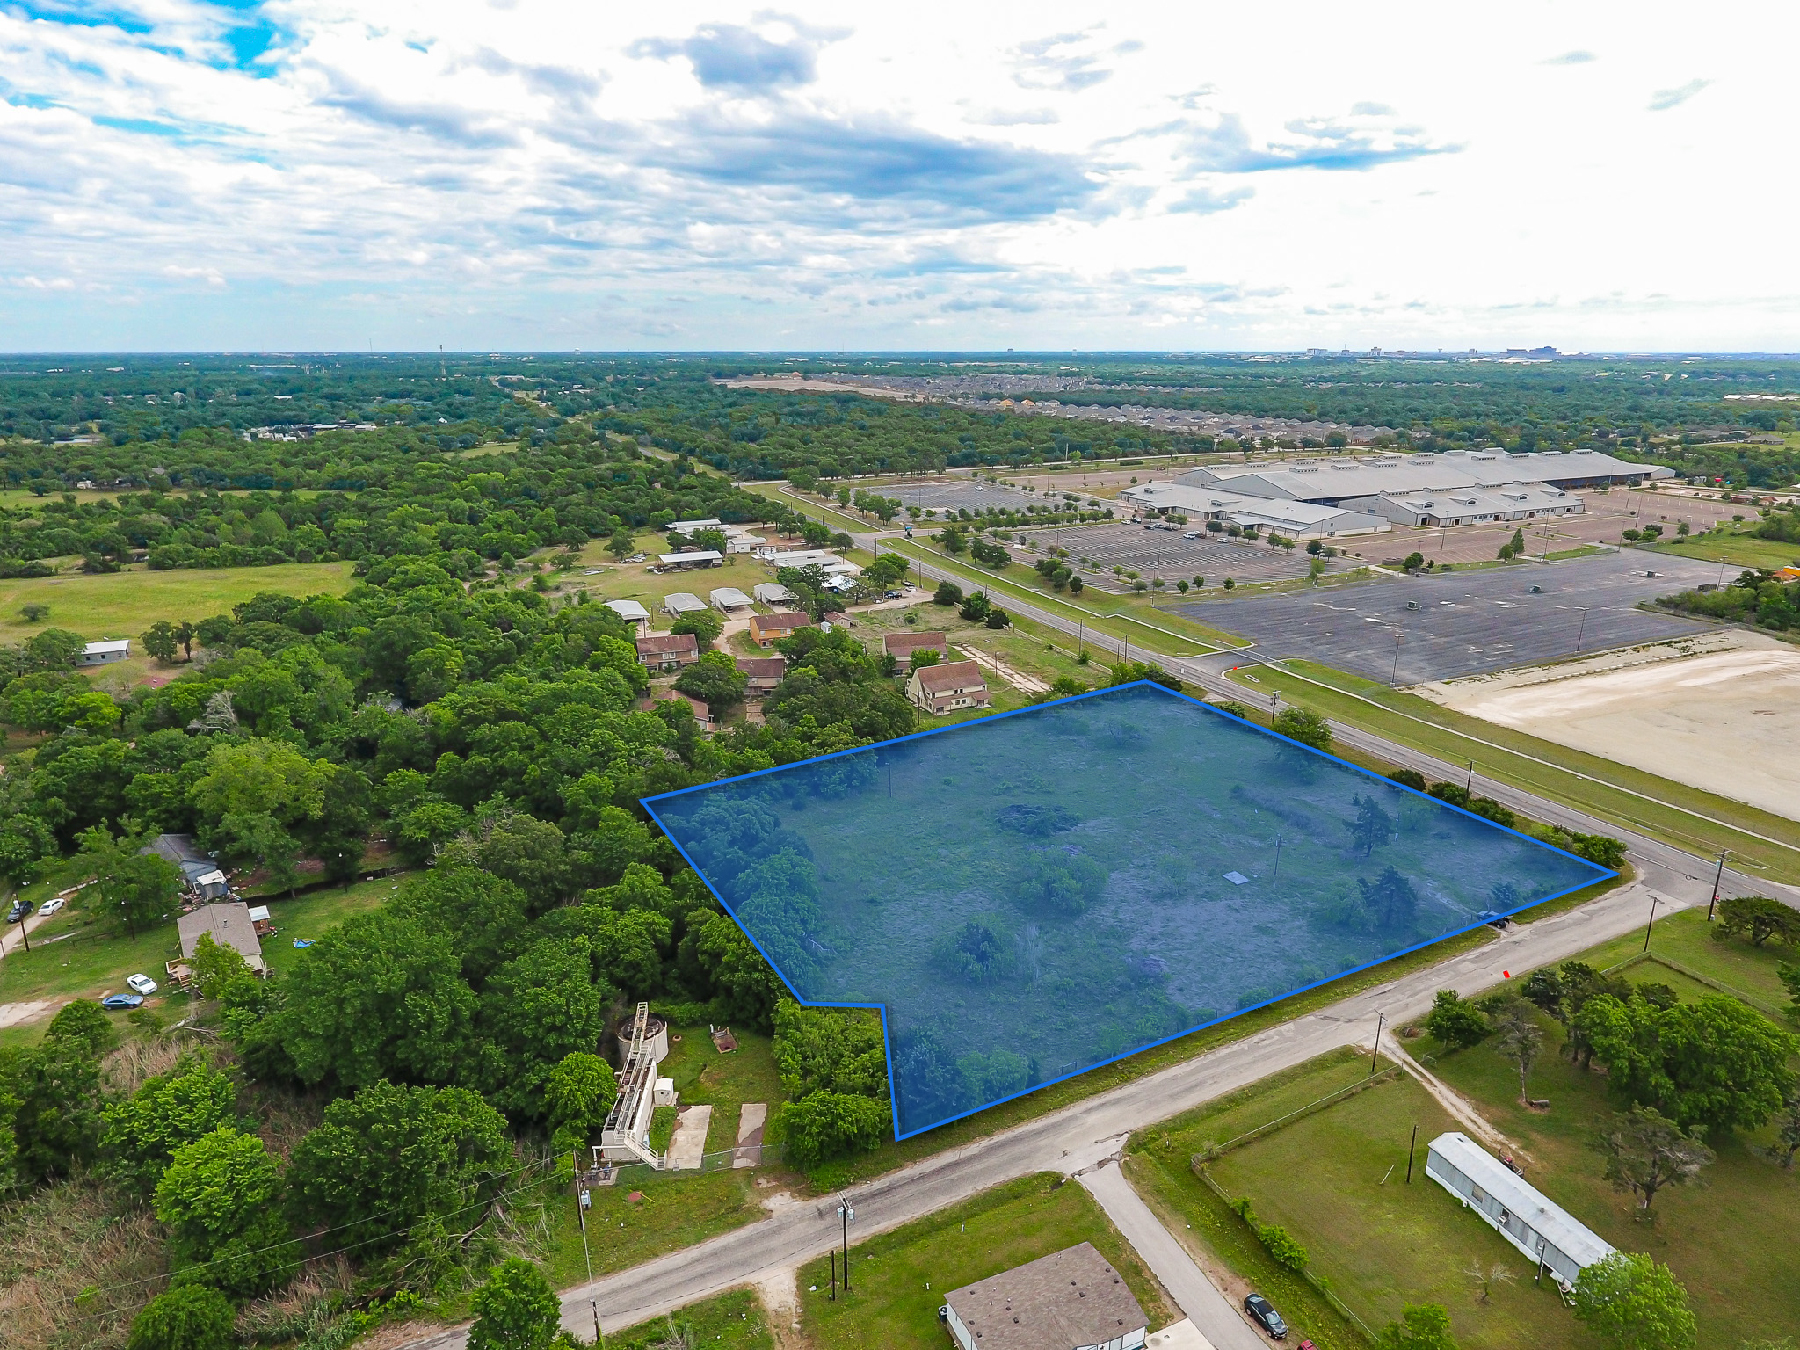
[(583, 1198)]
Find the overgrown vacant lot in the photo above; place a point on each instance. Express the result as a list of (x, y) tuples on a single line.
[(124, 604), (890, 1307)]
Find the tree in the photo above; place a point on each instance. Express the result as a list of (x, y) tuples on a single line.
[(535, 1010), (34, 613), (1372, 827), (1305, 726), (925, 656), (577, 1096), (1520, 1040), (215, 965), (947, 593), (1645, 1152), (825, 1125), (1757, 918), (1422, 1326), (142, 1132), (57, 1123), (975, 608), (160, 642), (1787, 1127), (997, 617), (136, 890), (715, 680), (704, 624), (516, 1309), (189, 1317), (1712, 1063), (220, 1198), (390, 1157), (1454, 1021), (1635, 1304)]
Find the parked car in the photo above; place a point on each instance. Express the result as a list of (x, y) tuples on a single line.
[(20, 908), (117, 1002), (140, 984), (1263, 1313), (890, 595), (50, 906), (1191, 534)]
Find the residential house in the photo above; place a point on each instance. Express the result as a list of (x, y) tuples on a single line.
[(200, 871), (771, 593), (702, 713), (1543, 1231), (1069, 1300), (229, 924), (105, 653), (667, 651), (947, 687), (680, 562), (763, 672), (901, 646), (767, 628)]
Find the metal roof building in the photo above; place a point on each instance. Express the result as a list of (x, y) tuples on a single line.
[(1334, 481), (1472, 506), (683, 602), (1538, 1227), (1297, 519), (629, 610), (728, 598)]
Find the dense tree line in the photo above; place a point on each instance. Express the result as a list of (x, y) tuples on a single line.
[(1758, 598)]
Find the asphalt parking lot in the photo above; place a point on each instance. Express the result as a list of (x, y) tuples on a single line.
[(964, 496), (1162, 553), (1467, 623)]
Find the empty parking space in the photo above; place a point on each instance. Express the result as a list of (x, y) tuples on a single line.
[(968, 496), (1162, 553), (1465, 623)]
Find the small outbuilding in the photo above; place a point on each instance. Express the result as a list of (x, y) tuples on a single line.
[(682, 602), (105, 653), (1069, 1300), (679, 562), (1542, 1230), (632, 612), (729, 600), (772, 593)]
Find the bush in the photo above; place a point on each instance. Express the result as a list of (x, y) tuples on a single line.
[(1757, 919), (947, 593), (188, 1318), (1280, 1244), (826, 1125), (1411, 778), (1305, 726)]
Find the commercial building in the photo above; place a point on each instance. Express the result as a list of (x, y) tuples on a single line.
[(667, 651), (1337, 482), (1543, 1231), (767, 628), (105, 653), (1472, 506), (945, 688), (1295, 519), (1069, 1300)]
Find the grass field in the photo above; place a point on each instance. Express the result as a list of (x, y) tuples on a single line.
[(733, 1321), (674, 1210), (1336, 1180), (1629, 797), (1729, 1240), (124, 604), (1685, 938), (1738, 550), (704, 1077), (898, 1280)]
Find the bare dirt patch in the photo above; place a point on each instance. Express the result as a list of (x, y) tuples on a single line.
[(1721, 714)]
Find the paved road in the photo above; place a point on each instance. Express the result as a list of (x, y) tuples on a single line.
[(1194, 1294), (1087, 1132)]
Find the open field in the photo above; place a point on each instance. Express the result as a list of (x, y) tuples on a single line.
[(1729, 1240), (1687, 817), (1336, 1180), (1736, 551), (1726, 721), (1466, 622), (124, 604), (899, 1279)]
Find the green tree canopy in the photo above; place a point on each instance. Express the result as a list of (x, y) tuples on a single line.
[(220, 1198), (142, 1132), (516, 1309), (1632, 1303), (186, 1318)]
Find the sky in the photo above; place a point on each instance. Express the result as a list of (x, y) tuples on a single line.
[(321, 175)]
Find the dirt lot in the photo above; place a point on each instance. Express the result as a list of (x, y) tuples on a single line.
[(1721, 714)]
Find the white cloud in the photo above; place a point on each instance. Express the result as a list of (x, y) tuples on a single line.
[(709, 175)]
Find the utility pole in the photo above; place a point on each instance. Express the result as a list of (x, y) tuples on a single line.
[(583, 1198), (846, 1212), (1413, 1144), (1277, 871), (1380, 1021), (1717, 878), (1394, 676), (1652, 923), (1470, 789)]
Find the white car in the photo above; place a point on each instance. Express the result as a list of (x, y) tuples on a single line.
[(140, 984), (50, 907)]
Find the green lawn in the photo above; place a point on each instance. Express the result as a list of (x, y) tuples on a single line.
[(734, 1321), (313, 913), (1729, 1240), (675, 1210), (124, 604), (1685, 938), (898, 1280), (1336, 1180), (704, 1077), (1738, 550), (1666, 809)]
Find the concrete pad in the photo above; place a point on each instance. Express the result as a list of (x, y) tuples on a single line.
[(1182, 1335), (752, 1116), (16, 1014), (688, 1146)]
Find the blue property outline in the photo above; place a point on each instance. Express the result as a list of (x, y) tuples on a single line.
[(1602, 874)]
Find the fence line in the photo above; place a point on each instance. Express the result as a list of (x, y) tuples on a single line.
[(1690, 973), (1212, 1151)]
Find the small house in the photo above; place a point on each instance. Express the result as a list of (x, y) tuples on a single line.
[(1543, 1231), (633, 613), (229, 924), (680, 562), (702, 713), (901, 646), (947, 687), (763, 673), (667, 651), (1069, 1300), (105, 653), (682, 602), (730, 601), (768, 628), (200, 872)]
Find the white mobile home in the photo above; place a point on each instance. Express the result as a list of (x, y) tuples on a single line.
[(1539, 1228)]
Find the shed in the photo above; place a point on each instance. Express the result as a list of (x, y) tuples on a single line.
[(682, 602), (632, 612), (1543, 1231), (700, 557), (1069, 1300), (771, 593), (729, 600), (200, 872), (230, 924), (105, 653)]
